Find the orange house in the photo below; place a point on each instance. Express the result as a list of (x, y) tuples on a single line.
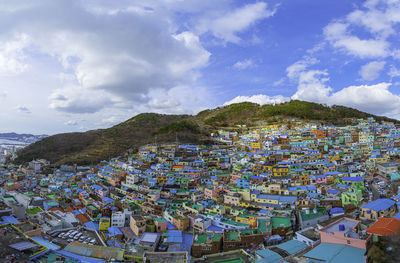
[(319, 134)]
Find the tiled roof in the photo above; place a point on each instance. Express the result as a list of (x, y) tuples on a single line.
[(385, 227)]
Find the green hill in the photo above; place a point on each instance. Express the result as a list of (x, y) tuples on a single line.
[(96, 145), (251, 113)]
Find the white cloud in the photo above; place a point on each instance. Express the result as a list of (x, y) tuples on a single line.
[(372, 70), (179, 100), (227, 26), (244, 64), (12, 58), (377, 18), (23, 109), (374, 20), (376, 99), (259, 99), (3, 94), (294, 70), (394, 72), (312, 86), (117, 64), (73, 99), (312, 83), (337, 34)]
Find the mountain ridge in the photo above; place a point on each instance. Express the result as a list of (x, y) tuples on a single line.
[(96, 145)]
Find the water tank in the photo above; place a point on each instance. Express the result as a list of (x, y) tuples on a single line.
[(341, 227)]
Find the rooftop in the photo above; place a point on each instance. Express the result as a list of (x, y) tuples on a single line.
[(385, 227), (202, 238), (380, 204), (335, 253), (178, 257)]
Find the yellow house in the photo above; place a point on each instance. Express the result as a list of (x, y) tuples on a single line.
[(245, 194), (161, 180), (267, 199), (244, 203), (279, 171), (104, 223), (256, 145), (334, 158), (246, 219), (216, 209), (304, 179), (273, 188)]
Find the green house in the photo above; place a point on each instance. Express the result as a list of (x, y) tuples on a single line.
[(352, 196)]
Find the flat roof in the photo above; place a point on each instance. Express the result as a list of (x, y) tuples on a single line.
[(24, 245), (149, 237), (346, 223)]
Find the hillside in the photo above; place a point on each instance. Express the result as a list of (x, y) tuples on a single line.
[(252, 113), (94, 146)]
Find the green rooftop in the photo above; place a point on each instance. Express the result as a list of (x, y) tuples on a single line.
[(92, 207), (33, 211), (233, 236), (160, 219), (202, 238), (277, 222), (320, 212), (249, 231), (262, 225)]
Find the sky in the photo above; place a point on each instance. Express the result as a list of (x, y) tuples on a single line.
[(77, 65)]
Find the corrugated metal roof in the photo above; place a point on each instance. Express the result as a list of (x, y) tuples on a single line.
[(21, 246)]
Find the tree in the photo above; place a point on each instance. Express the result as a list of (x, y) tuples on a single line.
[(375, 254)]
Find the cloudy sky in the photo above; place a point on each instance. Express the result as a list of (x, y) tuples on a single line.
[(85, 64)]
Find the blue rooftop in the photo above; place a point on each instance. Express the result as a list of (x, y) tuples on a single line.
[(269, 255), (174, 236), (380, 204), (292, 246), (335, 253)]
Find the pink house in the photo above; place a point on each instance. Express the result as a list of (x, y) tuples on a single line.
[(317, 179), (345, 231), (213, 192)]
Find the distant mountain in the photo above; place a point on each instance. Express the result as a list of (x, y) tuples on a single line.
[(21, 138), (96, 145)]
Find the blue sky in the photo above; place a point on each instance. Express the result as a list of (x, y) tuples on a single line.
[(79, 65)]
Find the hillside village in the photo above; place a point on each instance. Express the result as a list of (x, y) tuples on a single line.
[(284, 192)]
